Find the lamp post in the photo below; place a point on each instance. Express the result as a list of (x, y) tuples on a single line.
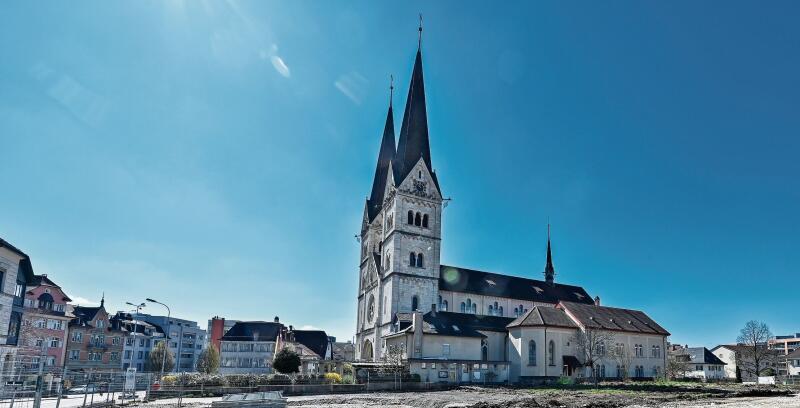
[(166, 344), (135, 326)]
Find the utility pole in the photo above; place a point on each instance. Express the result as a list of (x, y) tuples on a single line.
[(166, 337)]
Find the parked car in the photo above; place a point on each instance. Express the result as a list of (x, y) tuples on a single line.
[(84, 389)]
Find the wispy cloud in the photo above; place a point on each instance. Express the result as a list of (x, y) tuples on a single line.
[(352, 85), (276, 60), (84, 104), (82, 301)]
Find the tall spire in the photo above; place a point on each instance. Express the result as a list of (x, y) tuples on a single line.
[(414, 143), (549, 271), (385, 156)]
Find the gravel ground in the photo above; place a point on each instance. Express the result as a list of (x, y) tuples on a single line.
[(633, 397)]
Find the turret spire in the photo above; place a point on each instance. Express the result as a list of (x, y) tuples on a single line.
[(385, 156), (413, 143), (549, 271)]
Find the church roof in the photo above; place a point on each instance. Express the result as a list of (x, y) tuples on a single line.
[(457, 279), (385, 156), (543, 316), (414, 142), (612, 318)]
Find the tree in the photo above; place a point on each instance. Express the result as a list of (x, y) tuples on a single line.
[(208, 361), (591, 344), (752, 355), (153, 363), (393, 362), (620, 354), (286, 362), (677, 365)]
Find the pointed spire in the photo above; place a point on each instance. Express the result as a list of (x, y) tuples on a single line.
[(103, 299), (385, 156), (549, 271), (414, 143)]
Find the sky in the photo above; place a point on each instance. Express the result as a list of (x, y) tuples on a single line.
[(216, 155)]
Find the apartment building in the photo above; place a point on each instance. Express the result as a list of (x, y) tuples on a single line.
[(185, 339)]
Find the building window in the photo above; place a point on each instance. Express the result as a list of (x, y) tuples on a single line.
[(418, 220), (445, 350), (420, 261), (532, 353), (414, 303), (412, 259), (463, 307), (552, 353), (410, 217), (74, 354), (77, 337), (55, 342), (425, 221), (484, 350)]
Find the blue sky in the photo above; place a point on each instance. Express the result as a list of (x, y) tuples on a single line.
[(216, 155)]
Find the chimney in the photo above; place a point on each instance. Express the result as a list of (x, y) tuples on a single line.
[(277, 319), (433, 307), (416, 321), (597, 300)]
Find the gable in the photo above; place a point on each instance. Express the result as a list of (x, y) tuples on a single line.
[(420, 182)]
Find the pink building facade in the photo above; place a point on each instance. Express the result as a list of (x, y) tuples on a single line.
[(45, 324)]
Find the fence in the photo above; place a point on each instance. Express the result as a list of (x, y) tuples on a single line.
[(24, 387)]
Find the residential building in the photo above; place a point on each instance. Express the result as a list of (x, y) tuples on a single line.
[(784, 345), (313, 347), (185, 339), (94, 343), (249, 347), (139, 339), (343, 351), (217, 327), (740, 364), (44, 324), (463, 314), (700, 362), (15, 273), (541, 345), (793, 363)]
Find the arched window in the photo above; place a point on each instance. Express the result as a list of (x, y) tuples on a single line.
[(366, 350), (412, 259), (390, 222), (516, 312), (500, 311), (420, 261), (463, 307), (444, 305), (414, 303), (551, 350), (388, 262), (474, 308), (469, 304), (484, 350), (45, 301), (418, 220), (425, 220), (490, 310), (532, 353), (410, 217)]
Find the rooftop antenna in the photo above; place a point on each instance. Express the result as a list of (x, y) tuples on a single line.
[(419, 44)]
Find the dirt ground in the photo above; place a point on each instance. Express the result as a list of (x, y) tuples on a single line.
[(725, 396)]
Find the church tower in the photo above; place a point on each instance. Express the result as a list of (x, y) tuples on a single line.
[(401, 227)]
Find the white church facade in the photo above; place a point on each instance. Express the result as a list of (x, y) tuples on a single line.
[(460, 325)]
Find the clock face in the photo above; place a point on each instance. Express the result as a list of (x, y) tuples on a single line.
[(420, 186)]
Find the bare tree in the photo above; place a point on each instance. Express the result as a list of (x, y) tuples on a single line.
[(393, 362), (677, 365), (753, 355), (592, 344), (622, 356)]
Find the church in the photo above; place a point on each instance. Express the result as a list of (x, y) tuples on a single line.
[(458, 325)]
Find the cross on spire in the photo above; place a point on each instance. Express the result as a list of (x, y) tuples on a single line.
[(419, 44), (391, 89)]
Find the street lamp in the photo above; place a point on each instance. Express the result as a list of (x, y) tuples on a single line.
[(164, 352), (135, 321)]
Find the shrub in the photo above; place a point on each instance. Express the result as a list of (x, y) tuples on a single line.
[(333, 378), (348, 379), (565, 381), (169, 380), (347, 369), (279, 379)]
